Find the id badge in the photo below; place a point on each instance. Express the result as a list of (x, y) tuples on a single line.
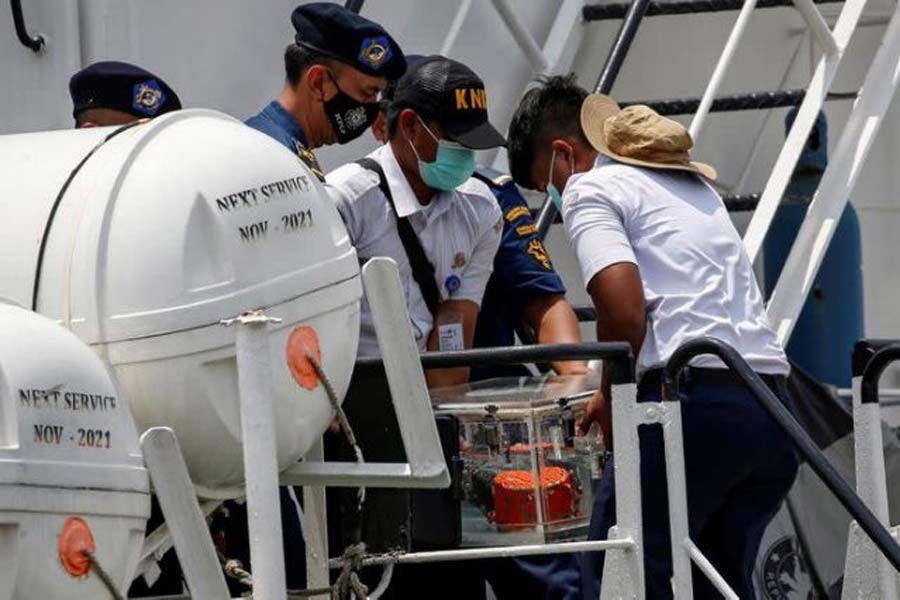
[(450, 332)]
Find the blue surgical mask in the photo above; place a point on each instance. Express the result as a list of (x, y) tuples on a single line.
[(551, 189), (452, 166)]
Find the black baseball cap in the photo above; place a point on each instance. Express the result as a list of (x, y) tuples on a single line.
[(452, 94), (341, 34), (121, 86)]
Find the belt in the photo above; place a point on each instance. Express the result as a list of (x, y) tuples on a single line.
[(651, 380)]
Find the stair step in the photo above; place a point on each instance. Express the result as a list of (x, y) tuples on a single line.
[(735, 102), (605, 12)]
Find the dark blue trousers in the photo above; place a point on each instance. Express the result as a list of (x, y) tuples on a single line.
[(739, 467)]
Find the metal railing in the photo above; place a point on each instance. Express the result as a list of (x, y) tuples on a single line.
[(866, 574), (804, 444), (33, 42), (618, 353)]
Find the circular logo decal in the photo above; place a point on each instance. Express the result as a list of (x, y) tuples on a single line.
[(451, 284), (784, 574)]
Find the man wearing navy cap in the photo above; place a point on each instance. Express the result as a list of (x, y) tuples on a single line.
[(335, 69), (117, 93)]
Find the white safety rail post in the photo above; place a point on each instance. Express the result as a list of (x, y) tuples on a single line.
[(260, 455), (668, 414), (816, 92), (623, 570), (523, 37), (837, 183), (186, 522), (867, 573), (158, 543), (412, 404), (315, 527), (737, 32)]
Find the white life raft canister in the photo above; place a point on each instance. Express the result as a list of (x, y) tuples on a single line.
[(167, 228), (71, 474)]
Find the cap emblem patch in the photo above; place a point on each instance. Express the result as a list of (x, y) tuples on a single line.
[(148, 97), (375, 52), (470, 98)]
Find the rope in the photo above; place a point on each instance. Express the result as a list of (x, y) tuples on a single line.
[(342, 420), (234, 569), (103, 576), (348, 581)]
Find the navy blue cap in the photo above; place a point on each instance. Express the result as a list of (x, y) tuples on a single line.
[(123, 87), (343, 35), (451, 93)]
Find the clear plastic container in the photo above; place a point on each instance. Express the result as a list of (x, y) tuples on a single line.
[(526, 478)]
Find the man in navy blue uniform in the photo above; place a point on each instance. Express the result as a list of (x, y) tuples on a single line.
[(523, 289), (334, 71)]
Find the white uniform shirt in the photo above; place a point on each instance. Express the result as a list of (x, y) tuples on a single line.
[(459, 231), (698, 280)]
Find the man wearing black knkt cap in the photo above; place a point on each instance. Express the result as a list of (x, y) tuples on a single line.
[(117, 93), (334, 71), (415, 201)]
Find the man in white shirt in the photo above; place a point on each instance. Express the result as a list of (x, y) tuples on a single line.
[(436, 122), (663, 264), (414, 200)]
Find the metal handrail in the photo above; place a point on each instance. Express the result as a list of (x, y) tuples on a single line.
[(618, 353), (32, 42), (786, 422), (873, 371)]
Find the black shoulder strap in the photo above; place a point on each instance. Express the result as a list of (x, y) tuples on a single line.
[(422, 269)]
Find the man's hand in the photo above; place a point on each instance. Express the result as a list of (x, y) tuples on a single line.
[(597, 411)]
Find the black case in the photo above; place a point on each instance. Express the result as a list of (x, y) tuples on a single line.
[(392, 519)]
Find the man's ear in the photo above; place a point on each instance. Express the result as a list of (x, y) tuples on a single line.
[(406, 122), (316, 77), (564, 150)]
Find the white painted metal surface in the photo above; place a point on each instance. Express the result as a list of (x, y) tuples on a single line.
[(623, 570), (168, 228), (668, 414), (426, 467), (817, 25), (258, 425), (867, 573), (816, 91), (523, 37), (70, 466), (186, 522), (837, 184), (722, 66)]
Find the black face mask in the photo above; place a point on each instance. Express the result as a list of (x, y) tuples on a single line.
[(349, 118)]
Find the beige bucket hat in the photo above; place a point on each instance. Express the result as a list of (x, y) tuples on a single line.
[(638, 135)]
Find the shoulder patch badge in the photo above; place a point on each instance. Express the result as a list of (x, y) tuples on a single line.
[(375, 51), (537, 251), (148, 97), (517, 212), (309, 159), (524, 230)]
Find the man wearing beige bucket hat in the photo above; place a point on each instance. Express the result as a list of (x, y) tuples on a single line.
[(663, 264)]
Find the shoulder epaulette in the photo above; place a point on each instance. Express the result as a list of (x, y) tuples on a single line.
[(492, 176)]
